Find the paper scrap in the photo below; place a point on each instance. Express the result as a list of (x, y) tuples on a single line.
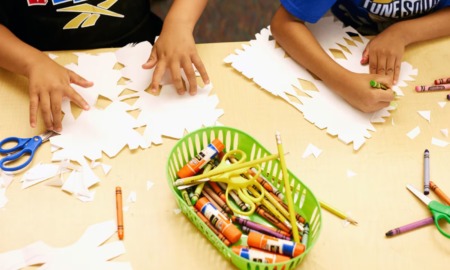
[(426, 115), (438, 142), (132, 197), (5, 181), (444, 131), (350, 173), (442, 104), (413, 133), (176, 211), (311, 150), (89, 252), (39, 173), (106, 168), (267, 65), (149, 184)]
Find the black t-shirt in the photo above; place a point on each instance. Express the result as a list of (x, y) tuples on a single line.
[(80, 24)]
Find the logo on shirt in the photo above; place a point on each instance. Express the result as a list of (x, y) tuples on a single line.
[(397, 9), (87, 14)]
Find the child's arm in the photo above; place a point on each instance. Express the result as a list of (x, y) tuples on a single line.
[(48, 81), (175, 47), (302, 46), (384, 52)]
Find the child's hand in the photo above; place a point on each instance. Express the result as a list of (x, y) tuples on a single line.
[(362, 96), (175, 49), (384, 54), (48, 84)]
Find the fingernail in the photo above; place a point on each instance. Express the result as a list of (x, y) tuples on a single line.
[(153, 90), (86, 107)]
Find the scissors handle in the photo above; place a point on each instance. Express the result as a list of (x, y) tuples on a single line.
[(439, 212), (23, 147)]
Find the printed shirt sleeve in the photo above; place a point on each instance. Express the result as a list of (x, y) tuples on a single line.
[(443, 4), (307, 10)]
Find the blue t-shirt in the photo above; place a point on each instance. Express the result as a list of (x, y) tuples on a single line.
[(366, 16)]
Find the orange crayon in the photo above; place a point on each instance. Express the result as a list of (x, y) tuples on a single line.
[(231, 232), (273, 220), (273, 244), (257, 255), (439, 193), (119, 211), (218, 190), (201, 159)]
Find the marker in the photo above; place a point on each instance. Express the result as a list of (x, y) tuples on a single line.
[(439, 192), (426, 172), (201, 159), (272, 244), (442, 81), (119, 211), (256, 255), (375, 84), (231, 232), (411, 226), (425, 88)]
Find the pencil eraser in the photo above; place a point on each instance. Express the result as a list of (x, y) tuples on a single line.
[(418, 88)]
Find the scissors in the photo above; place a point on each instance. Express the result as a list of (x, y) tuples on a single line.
[(439, 210), (23, 146), (235, 182)]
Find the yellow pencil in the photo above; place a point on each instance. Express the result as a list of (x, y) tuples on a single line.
[(287, 188), (337, 213)]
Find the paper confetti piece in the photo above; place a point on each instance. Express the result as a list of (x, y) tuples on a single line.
[(413, 133)]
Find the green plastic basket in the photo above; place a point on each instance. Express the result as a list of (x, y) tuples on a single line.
[(304, 200)]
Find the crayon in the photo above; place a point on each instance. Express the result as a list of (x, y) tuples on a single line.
[(426, 88), (439, 193), (213, 202), (272, 244), (266, 184), (219, 234), (273, 220), (305, 235), (231, 232), (256, 255), (375, 84), (426, 172), (247, 230), (235, 197), (297, 215), (119, 208), (201, 159), (261, 228), (218, 190), (411, 226), (442, 81), (448, 97), (199, 187), (222, 204)]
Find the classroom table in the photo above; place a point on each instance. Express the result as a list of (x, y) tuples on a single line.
[(157, 236)]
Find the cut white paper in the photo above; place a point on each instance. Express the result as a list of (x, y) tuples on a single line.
[(442, 104), (5, 181), (438, 142), (425, 114), (39, 173), (267, 65), (413, 133), (444, 131), (149, 184), (89, 252), (350, 173), (132, 197), (106, 168), (311, 149)]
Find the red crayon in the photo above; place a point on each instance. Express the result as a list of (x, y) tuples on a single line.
[(425, 88), (442, 81)]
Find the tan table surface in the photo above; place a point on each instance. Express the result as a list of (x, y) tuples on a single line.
[(158, 238)]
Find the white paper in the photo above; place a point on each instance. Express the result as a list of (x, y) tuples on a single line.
[(425, 114), (413, 133), (438, 142), (267, 65)]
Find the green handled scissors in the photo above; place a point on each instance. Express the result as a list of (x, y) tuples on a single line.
[(231, 175), (438, 210)]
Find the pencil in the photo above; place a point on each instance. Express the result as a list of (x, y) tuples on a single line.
[(337, 213), (119, 212), (287, 188)]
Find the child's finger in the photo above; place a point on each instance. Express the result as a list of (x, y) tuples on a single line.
[(201, 68), (78, 80), (44, 101), (158, 73), (365, 56), (77, 99), (55, 104), (176, 78), (151, 62), (34, 105), (190, 76)]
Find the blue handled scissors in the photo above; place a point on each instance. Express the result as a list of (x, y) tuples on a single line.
[(22, 147), (438, 210), (231, 175)]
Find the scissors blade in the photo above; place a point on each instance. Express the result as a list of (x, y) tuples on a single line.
[(181, 187), (47, 135), (418, 194)]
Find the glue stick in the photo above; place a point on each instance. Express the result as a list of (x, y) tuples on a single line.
[(201, 159), (256, 255), (273, 244), (228, 229)]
